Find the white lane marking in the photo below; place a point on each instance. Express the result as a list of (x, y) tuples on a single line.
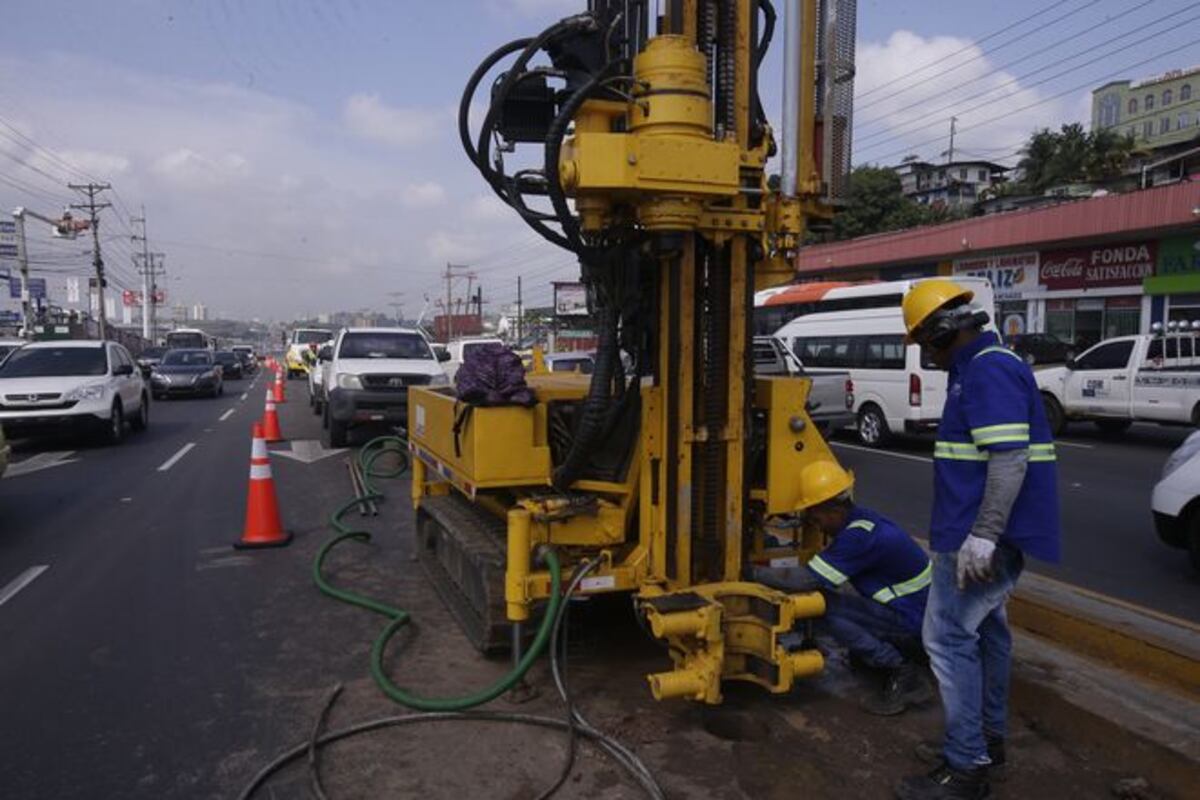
[(170, 462), (1061, 443), (20, 582), (243, 397), (38, 462), (229, 561), (872, 451), (226, 415)]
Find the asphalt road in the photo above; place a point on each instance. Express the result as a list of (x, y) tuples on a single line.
[(1109, 543)]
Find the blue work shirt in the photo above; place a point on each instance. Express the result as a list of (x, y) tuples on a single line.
[(993, 404), (880, 561)]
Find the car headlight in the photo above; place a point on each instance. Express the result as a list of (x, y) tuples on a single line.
[(349, 381), (158, 377), (92, 392), (441, 379)]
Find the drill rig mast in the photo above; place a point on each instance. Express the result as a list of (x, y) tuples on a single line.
[(655, 148)]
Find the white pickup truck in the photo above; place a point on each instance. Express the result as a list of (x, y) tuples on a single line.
[(1147, 378), (831, 397)]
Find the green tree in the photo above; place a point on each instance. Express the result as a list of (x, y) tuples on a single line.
[(1071, 155), (876, 204)]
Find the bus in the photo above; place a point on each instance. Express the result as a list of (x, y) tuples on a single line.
[(189, 338)]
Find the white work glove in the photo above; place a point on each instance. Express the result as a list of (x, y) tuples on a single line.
[(975, 560)]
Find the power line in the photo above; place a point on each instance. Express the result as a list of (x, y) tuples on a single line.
[(1053, 46), (1108, 76), (972, 45)]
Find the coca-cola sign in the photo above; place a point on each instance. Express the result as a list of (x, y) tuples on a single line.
[(1098, 267)]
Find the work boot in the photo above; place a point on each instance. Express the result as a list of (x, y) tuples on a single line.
[(930, 752), (903, 687), (945, 783)]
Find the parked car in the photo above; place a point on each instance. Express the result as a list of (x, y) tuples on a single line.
[(149, 358), (459, 348), (8, 345), (299, 357), (581, 362), (231, 365), (316, 378), (1175, 501), (72, 385), (1041, 348), (1148, 378), (831, 397), (188, 371), (367, 376), (4, 451)]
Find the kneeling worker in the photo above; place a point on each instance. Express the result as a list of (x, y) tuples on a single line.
[(890, 572)]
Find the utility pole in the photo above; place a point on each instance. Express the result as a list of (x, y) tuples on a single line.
[(520, 315), (147, 267), (950, 152), (452, 271), (23, 261), (93, 208)]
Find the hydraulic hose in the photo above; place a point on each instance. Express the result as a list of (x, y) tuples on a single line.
[(398, 618)]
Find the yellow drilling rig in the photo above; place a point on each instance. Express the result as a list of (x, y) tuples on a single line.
[(672, 464)]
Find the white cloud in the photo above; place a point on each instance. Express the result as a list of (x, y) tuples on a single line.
[(445, 246), (902, 108), (538, 8), (429, 194), (488, 207), (188, 168), (368, 116), (111, 164)]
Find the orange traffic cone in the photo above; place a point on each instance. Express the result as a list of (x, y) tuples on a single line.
[(270, 421), (263, 526), (279, 395)]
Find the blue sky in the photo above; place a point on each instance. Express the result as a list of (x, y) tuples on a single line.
[(297, 156)]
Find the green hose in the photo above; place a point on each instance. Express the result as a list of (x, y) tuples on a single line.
[(398, 618)]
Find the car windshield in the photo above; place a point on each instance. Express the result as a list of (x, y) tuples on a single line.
[(187, 358), (384, 345), (310, 337), (46, 362), (225, 358), (185, 339), (472, 346)]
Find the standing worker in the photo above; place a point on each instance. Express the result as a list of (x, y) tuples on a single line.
[(995, 501), (881, 625)]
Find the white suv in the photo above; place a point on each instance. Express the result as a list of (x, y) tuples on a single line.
[(367, 376), (51, 387), (1176, 499)]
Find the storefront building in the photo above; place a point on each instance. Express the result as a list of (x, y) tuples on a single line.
[(1084, 271)]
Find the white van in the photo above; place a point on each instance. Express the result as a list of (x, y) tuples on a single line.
[(894, 392)]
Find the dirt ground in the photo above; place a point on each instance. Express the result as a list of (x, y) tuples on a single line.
[(814, 743)]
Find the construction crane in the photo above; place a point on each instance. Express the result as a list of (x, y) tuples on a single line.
[(665, 477)]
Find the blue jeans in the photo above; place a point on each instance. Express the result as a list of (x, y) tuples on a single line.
[(867, 629), (966, 635)]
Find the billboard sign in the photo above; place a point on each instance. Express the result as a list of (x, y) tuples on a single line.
[(1012, 275), (1098, 267), (8, 239), (570, 300)]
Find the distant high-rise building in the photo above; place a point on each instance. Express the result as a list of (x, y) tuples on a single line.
[(199, 312)]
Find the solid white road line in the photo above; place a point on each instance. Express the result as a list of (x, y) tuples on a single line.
[(226, 415), (20, 582), (243, 397), (170, 462), (875, 452), (1081, 446)]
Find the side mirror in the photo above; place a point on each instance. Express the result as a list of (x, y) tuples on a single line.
[(123, 369), (1070, 364), (443, 355), (325, 353)]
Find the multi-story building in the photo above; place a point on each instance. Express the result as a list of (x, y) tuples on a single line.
[(1158, 112), (953, 184), (199, 312)]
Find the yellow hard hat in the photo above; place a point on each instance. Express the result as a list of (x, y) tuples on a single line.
[(822, 480), (927, 297)]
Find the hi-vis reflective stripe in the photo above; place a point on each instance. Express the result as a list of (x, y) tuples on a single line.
[(1042, 452), (995, 434), (258, 450), (865, 524), (965, 451), (997, 349), (958, 451), (889, 593), (260, 472), (826, 571)]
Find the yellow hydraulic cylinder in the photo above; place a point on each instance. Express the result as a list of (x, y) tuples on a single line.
[(806, 663), (520, 523), (680, 623), (678, 683), (806, 606)]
